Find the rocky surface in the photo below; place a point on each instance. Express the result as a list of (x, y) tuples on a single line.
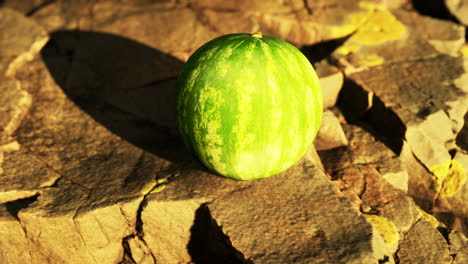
[(92, 169), (20, 40), (459, 8)]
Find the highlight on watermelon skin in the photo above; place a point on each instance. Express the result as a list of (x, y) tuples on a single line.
[(248, 106)]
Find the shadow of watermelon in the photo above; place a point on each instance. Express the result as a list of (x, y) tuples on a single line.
[(124, 85)]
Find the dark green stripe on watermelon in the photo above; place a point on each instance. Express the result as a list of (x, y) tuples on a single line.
[(248, 107)]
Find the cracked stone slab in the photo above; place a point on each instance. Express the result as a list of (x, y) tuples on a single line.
[(88, 144), (60, 226), (112, 181), (140, 252), (89, 177), (364, 149), (415, 106), (424, 118), (23, 175), (424, 113), (67, 214), (376, 184), (256, 229), (20, 40)]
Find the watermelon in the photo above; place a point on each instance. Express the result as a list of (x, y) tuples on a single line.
[(248, 106)]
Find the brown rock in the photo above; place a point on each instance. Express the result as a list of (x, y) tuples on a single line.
[(420, 180), (415, 115), (104, 174), (185, 28), (458, 247), (14, 246), (237, 228), (268, 6), (330, 134), (458, 8), (26, 7), (404, 108), (336, 159), (458, 109), (15, 104), (23, 175), (381, 39), (363, 176), (227, 21), (450, 206), (46, 244), (331, 81), (423, 243), (20, 40), (90, 181), (94, 162), (395, 4), (446, 37), (56, 15), (140, 253), (424, 117), (167, 228), (195, 22), (391, 203)]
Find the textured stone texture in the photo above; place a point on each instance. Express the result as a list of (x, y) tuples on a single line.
[(424, 244), (15, 104), (92, 170), (26, 7), (266, 216), (458, 247), (444, 36), (367, 179), (459, 8), (330, 134), (14, 244), (20, 40), (419, 116), (331, 80)]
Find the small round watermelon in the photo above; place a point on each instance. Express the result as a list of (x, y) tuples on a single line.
[(248, 106)]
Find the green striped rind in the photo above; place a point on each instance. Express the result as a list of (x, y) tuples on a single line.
[(248, 107)]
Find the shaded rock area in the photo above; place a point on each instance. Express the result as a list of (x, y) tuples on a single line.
[(92, 169)]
